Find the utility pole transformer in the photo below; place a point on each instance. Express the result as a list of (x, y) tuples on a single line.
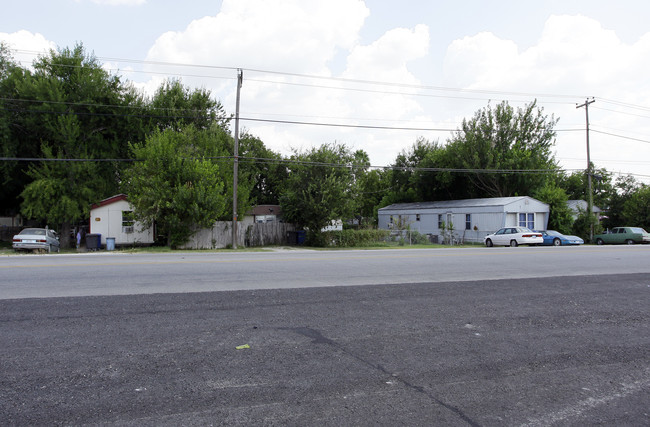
[(240, 78), (590, 203)]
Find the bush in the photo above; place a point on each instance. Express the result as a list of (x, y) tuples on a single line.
[(354, 238)]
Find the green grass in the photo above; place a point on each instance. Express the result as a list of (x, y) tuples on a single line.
[(6, 249)]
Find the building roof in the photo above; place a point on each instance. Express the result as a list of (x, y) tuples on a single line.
[(265, 210), (578, 205), (446, 204), (108, 201)]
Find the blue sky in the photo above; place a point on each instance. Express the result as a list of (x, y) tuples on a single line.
[(558, 52)]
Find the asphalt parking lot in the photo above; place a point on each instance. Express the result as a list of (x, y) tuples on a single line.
[(537, 351)]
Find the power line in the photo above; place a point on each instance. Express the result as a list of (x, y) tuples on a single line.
[(622, 112), (303, 163), (225, 119), (341, 79), (319, 77), (621, 136)]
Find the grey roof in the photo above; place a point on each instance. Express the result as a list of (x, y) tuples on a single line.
[(492, 201)]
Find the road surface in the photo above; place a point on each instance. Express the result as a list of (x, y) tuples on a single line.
[(161, 340)]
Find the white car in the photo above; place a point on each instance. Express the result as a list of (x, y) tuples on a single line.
[(514, 236), (37, 240)]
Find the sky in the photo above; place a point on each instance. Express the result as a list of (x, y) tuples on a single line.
[(376, 75)]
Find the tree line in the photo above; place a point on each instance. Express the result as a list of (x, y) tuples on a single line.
[(73, 134)]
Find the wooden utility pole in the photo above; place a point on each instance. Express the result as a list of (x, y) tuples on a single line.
[(240, 78), (590, 202)]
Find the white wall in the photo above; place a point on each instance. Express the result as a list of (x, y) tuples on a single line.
[(107, 221)]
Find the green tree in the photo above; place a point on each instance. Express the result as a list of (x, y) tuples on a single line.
[(72, 111), (408, 184), (583, 225), (319, 188), (176, 183), (560, 216), (174, 106), (374, 186), (577, 187), (61, 192), (636, 211), (505, 139), (624, 188), (263, 168), (13, 174)]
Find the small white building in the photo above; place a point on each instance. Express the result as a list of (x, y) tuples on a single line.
[(113, 217), (469, 220), (578, 206)]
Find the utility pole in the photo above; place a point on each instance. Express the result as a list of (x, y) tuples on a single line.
[(590, 203), (240, 78)]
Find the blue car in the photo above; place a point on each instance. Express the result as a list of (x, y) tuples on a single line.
[(554, 238)]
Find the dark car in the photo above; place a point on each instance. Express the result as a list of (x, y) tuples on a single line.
[(627, 235)]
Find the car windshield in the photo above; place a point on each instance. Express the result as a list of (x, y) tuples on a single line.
[(553, 233), (34, 231), (524, 230)]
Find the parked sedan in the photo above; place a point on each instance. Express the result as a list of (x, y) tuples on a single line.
[(514, 236), (628, 235), (555, 238), (37, 240)]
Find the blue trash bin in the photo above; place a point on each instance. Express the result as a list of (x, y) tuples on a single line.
[(110, 243), (301, 237)]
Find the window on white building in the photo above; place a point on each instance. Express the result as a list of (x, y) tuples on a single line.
[(527, 220), (127, 222), (468, 221)]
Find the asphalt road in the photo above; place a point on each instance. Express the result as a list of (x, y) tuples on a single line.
[(550, 345), (28, 276)]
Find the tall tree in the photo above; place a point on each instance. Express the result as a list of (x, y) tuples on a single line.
[(12, 174), (263, 167), (560, 216), (174, 106), (178, 182), (74, 110), (502, 138), (576, 186), (636, 210), (623, 190), (320, 188)]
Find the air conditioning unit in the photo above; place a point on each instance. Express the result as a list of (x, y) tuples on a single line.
[(127, 229)]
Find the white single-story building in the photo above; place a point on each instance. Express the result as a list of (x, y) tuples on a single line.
[(470, 219), (113, 217), (578, 206)]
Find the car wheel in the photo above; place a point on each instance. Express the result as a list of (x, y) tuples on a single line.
[(489, 243), (557, 242), (629, 241), (599, 241), (514, 243)]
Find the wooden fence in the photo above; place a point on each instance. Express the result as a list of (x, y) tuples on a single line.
[(248, 235)]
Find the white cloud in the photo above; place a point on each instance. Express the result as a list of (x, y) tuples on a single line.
[(574, 56), (305, 38), (27, 46), (291, 35)]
